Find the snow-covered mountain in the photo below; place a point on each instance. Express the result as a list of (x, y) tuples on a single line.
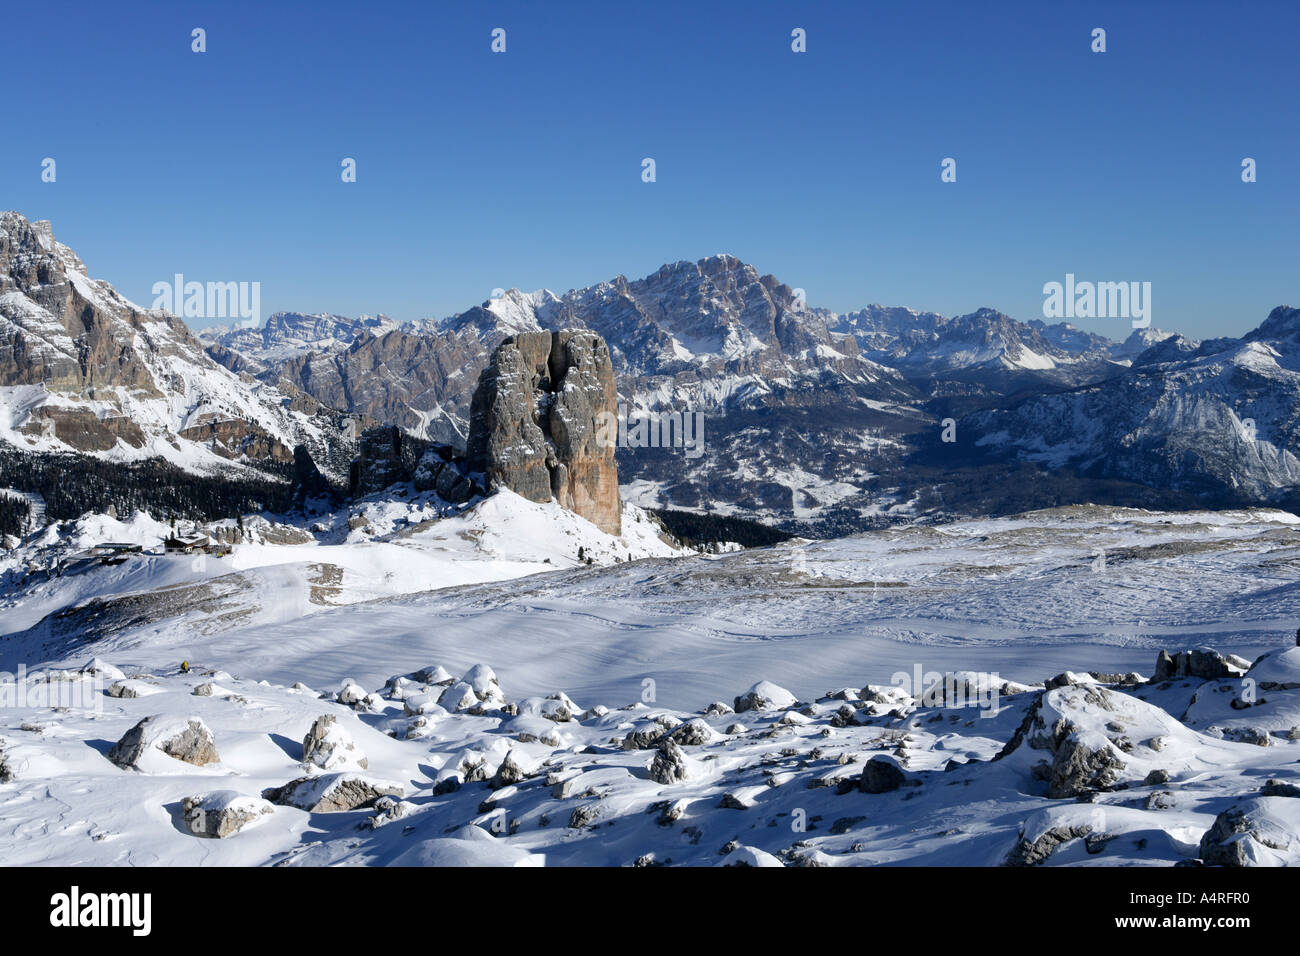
[(1220, 418), (84, 369), (927, 343), (771, 376), (288, 334), (810, 417), (1141, 340), (819, 421)]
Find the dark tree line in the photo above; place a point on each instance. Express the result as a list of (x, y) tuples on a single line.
[(75, 484), (701, 529), (14, 513)]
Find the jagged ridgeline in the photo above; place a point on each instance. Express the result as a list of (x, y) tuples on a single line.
[(818, 422)]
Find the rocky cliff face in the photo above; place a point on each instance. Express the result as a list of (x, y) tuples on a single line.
[(420, 382), (535, 423), (386, 456), (84, 369), (379, 462)]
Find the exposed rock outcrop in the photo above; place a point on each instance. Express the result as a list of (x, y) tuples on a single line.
[(379, 461), (1201, 662), (536, 423), (1076, 756), (386, 456), (141, 747), (764, 696), (1029, 852), (880, 775), (1259, 831), (670, 764), (332, 792), (223, 813), (441, 471), (330, 747), (308, 482)]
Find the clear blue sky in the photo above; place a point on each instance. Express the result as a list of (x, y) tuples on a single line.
[(478, 170)]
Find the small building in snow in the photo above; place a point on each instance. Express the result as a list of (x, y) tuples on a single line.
[(186, 543), (121, 547)]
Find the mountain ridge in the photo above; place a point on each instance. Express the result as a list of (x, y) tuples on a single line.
[(813, 420)]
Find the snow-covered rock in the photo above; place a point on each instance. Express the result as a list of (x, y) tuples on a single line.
[(670, 764), (332, 792), (458, 697), (328, 746), (223, 813), (131, 689), (880, 774), (155, 744), (764, 696), (1261, 831)]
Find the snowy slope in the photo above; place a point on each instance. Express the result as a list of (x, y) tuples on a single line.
[(1173, 770), (376, 549), (479, 774)]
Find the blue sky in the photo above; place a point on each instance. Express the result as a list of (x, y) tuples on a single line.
[(477, 170)]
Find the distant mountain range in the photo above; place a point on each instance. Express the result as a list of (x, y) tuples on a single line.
[(817, 421), (1218, 418)]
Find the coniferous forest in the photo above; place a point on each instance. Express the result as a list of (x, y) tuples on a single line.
[(73, 485)]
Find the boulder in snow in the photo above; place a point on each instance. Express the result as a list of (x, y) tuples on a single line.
[(332, 792), (764, 696), (330, 747), (458, 697), (223, 813), (692, 733), (750, 856), (131, 689), (1260, 831), (186, 739), (351, 693), (436, 674), (103, 669), (508, 773), (670, 764), (881, 775)]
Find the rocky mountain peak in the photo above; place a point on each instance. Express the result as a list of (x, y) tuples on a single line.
[(1282, 323), (83, 368), (535, 423)]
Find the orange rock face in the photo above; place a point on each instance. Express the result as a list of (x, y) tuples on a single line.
[(535, 423)]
